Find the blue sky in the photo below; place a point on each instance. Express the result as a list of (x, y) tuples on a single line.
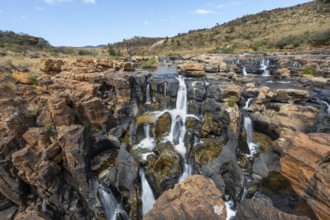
[(94, 22)]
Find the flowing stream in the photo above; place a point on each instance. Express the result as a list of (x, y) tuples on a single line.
[(147, 196), (244, 71), (249, 136), (110, 205), (328, 106)]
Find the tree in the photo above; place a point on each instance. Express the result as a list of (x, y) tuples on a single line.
[(111, 51)]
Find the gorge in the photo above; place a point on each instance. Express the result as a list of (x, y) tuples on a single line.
[(217, 136)]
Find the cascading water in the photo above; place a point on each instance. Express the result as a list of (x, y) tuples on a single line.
[(247, 103), (147, 196), (148, 142), (244, 71), (178, 127), (249, 136), (110, 205), (328, 106), (264, 63), (148, 99)]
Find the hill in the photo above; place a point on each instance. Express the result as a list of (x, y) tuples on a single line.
[(135, 45), (298, 28)]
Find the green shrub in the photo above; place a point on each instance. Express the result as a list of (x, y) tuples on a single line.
[(32, 110), (290, 40), (323, 37), (228, 49), (33, 79), (308, 71)]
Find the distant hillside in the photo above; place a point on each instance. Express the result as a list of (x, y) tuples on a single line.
[(21, 42), (302, 27), (135, 45)]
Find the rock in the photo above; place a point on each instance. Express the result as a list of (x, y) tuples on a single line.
[(93, 111), (30, 215), (224, 92), (290, 95), (105, 63), (162, 126), (51, 66), (23, 78), (249, 209), (166, 169), (304, 163), (60, 112), (194, 198), (264, 163), (283, 73), (127, 173), (212, 68), (278, 116), (192, 69), (8, 213), (74, 155)]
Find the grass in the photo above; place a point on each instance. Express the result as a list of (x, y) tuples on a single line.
[(308, 71), (149, 64), (32, 110), (231, 102)]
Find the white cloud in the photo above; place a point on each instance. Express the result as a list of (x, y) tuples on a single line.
[(221, 6), (39, 8), (52, 2), (203, 12), (89, 1)]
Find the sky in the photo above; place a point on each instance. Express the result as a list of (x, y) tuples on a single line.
[(95, 22)]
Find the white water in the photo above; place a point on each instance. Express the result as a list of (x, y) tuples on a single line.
[(328, 106), (247, 103), (249, 136), (230, 211), (264, 63), (244, 71), (110, 205), (148, 100), (148, 142), (147, 196)]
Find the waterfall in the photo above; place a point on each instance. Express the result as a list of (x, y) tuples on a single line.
[(148, 142), (244, 71), (178, 127), (247, 103), (147, 196), (328, 106), (148, 99), (230, 211), (264, 63), (179, 115), (249, 136), (110, 205)]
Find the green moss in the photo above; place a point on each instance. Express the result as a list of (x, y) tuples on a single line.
[(231, 102)]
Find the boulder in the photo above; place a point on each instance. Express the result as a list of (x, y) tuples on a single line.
[(51, 66), (162, 126), (305, 163), (194, 198)]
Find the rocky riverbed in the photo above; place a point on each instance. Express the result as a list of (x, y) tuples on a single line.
[(202, 137)]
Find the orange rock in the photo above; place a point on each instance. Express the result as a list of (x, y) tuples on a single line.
[(194, 198), (305, 163)]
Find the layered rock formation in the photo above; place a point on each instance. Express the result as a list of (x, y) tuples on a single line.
[(194, 198)]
